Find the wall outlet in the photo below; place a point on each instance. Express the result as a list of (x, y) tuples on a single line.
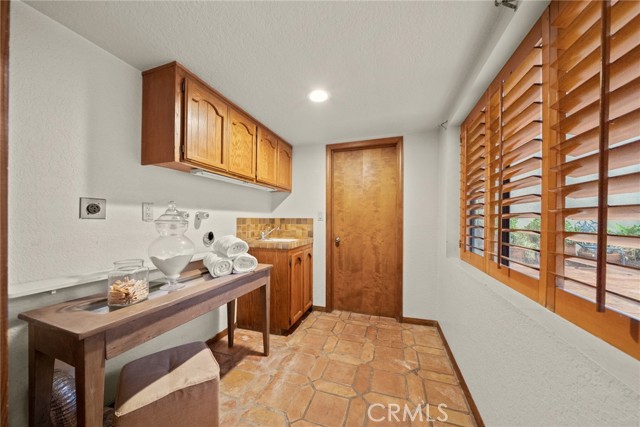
[(320, 216), (93, 208), (147, 212)]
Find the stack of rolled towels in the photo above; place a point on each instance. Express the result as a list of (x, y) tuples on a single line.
[(229, 256)]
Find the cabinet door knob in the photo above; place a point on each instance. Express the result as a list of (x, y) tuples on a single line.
[(338, 241)]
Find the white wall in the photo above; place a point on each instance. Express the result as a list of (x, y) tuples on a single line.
[(74, 120), (525, 366), (305, 201), (420, 216)]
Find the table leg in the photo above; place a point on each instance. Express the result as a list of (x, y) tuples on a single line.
[(231, 312), (40, 383), (266, 303), (90, 381)]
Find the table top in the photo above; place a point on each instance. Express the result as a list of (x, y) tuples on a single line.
[(87, 316)]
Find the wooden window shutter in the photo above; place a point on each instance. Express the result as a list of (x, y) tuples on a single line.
[(550, 169), (473, 186), (515, 167), (597, 186)]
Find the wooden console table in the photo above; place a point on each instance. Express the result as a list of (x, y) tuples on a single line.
[(84, 333)]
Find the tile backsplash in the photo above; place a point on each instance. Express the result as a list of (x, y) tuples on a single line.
[(293, 228)]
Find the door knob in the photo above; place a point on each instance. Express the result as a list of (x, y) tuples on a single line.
[(338, 241)]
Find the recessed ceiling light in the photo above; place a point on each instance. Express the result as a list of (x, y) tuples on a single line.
[(318, 95)]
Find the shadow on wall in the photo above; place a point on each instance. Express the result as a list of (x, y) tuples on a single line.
[(277, 199)]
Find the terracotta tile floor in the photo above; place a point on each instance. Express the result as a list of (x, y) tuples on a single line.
[(340, 369)]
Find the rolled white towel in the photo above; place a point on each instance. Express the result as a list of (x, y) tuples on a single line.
[(217, 265), (244, 263), (230, 246)]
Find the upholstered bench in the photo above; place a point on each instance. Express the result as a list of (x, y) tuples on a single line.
[(174, 387)]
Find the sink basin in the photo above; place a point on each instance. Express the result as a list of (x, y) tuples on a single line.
[(278, 240)]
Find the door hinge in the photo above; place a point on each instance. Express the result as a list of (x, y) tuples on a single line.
[(182, 150), (459, 244), (182, 87)]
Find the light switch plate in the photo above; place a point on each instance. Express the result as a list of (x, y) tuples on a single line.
[(320, 216), (93, 208)]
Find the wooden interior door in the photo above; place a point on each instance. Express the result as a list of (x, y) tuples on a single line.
[(242, 145), (364, 233), (4, 157), (206, 121), (267, 168)]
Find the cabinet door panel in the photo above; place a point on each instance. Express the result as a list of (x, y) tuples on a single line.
[(284, 165), (307, 283), (242, 145), (267, 168), (206, 120), (296, 294)]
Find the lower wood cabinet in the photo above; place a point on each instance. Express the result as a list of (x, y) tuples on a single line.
[(291, 289)]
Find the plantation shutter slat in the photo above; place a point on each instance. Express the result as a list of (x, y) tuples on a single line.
[(522, 200), (627, 212), (523, 152), (525, 135), (619, 157), (528, 165), (533, 77), (618, 185), (530, 115), (621, 129), (583, 71), (521, 183), (582, 23), (578, 51)]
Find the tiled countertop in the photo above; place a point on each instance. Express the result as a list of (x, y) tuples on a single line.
[(270, 244)]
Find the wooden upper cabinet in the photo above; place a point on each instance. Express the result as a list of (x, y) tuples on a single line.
[(285, 153), (187, 125), (206, 119), (267, 171), (242, 145)]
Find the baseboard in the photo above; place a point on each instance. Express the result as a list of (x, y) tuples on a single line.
[(417, 321), (472, 405), (465, 389), (318, 308), (217, 337)]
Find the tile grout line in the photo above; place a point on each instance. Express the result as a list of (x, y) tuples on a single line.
[(297, 347)]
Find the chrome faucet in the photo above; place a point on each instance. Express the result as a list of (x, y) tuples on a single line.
[(263, 235)]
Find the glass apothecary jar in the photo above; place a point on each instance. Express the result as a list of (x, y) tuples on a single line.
[(128, 283), (172, 251)]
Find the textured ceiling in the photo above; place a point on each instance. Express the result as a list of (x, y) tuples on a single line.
[(390, 67)]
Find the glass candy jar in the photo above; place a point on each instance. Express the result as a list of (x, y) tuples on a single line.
[(172, 251), (128, 283)]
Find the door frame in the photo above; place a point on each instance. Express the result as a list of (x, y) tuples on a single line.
[(4, 157), (352, 146)]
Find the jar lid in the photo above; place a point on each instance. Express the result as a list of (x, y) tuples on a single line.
[(172, 216)]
